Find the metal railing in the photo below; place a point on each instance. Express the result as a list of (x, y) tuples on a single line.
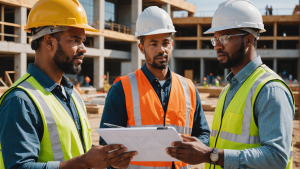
[(114, 27)]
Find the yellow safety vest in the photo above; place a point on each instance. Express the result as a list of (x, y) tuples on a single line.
[(61, 140), (237, 129)]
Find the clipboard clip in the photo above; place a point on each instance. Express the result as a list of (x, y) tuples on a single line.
[(162, 128)]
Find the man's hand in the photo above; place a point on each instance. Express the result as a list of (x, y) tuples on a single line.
[(101, 157), (190, 150)]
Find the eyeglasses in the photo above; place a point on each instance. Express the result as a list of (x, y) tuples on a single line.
[(224, 39)]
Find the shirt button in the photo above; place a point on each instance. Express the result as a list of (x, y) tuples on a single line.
[(76, 123), (231, 167), (57, 87), (64, 99), (156, 80), (162, 90), (164, 103)]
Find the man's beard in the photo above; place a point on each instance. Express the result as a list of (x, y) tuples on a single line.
[(163, 65), (61, 61), (236, 58)]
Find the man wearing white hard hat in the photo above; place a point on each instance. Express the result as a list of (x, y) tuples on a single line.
[(154, 95), (253, 120)]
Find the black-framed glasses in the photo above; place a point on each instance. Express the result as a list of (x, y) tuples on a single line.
[(224, 39)]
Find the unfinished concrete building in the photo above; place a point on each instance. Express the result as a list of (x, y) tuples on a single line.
[(114, 49)]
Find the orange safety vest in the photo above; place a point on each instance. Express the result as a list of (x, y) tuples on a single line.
[(144, 109)]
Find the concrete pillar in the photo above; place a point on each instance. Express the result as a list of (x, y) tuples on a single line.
[(167, 8), (202, 70), (99, 13), (98, 72), (20, 64), (20, 59), (275, 65), (136, 55), (20, 18)]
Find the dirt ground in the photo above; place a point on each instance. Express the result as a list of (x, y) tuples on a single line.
[(95, 122)]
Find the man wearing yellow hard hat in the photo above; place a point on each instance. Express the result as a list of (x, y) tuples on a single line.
[(43, 120)]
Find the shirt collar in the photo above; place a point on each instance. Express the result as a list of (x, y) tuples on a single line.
[(45, 81), (243, 74), (149, 75)]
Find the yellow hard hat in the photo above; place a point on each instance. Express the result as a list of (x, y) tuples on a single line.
[(58, 13)]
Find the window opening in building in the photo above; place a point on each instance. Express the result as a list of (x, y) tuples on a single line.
[(186, 30), (185, 44), (265, 44), (109, 12), (88, 6), (206, 44)]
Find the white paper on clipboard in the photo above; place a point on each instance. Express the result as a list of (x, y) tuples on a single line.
[(149, 142)]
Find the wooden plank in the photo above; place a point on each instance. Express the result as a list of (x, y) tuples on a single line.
[(24, 3), (1, 81), (189, 74), (7, 77), (186, 38), (2, 20), (10, 24), (113, 35)]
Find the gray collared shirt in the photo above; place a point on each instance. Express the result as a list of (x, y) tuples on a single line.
[(273, 114)]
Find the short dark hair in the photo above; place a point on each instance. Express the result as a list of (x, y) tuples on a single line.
[(39, 40)]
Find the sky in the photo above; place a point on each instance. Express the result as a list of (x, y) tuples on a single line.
[(209, 6)]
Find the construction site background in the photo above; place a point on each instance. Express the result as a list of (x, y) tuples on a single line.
[(113, 52)]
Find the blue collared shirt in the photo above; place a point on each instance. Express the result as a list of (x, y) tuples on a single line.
[(21, 125), (273, 114), (115, 106)]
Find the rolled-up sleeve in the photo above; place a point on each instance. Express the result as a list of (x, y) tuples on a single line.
[(273, 113), (20, 133), (200, 125)]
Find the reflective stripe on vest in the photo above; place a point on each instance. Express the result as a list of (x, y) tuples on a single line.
[(78, 97), (245, 138), (53, 132), (137, 112), (291, 154)]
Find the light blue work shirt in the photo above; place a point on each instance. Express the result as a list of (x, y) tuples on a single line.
[(273, 114)]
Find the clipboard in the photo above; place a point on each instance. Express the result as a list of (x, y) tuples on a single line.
[(149, 142)]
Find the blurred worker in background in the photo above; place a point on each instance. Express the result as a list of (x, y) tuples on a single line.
[(87, 81), (154, 95), (43, 120), (253, 120)]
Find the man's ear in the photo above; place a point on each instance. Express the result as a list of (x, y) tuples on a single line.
[(48, 42), (141, 47), (249, 39)]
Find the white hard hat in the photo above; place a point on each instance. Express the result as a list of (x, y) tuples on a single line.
[(154, 20), (237, 14)]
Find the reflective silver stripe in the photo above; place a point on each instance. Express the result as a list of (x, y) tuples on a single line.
[(179, 129), (291, 154), (182, 129), (273, 73), (214, 133), (51, 124), (135, 100), (185, 167), (223, 91), (187, 98), (145, 167), (245, 139), (78, 98)]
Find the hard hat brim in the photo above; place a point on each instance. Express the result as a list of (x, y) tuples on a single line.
[(155, 32), (83, 26), (220, 28)]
